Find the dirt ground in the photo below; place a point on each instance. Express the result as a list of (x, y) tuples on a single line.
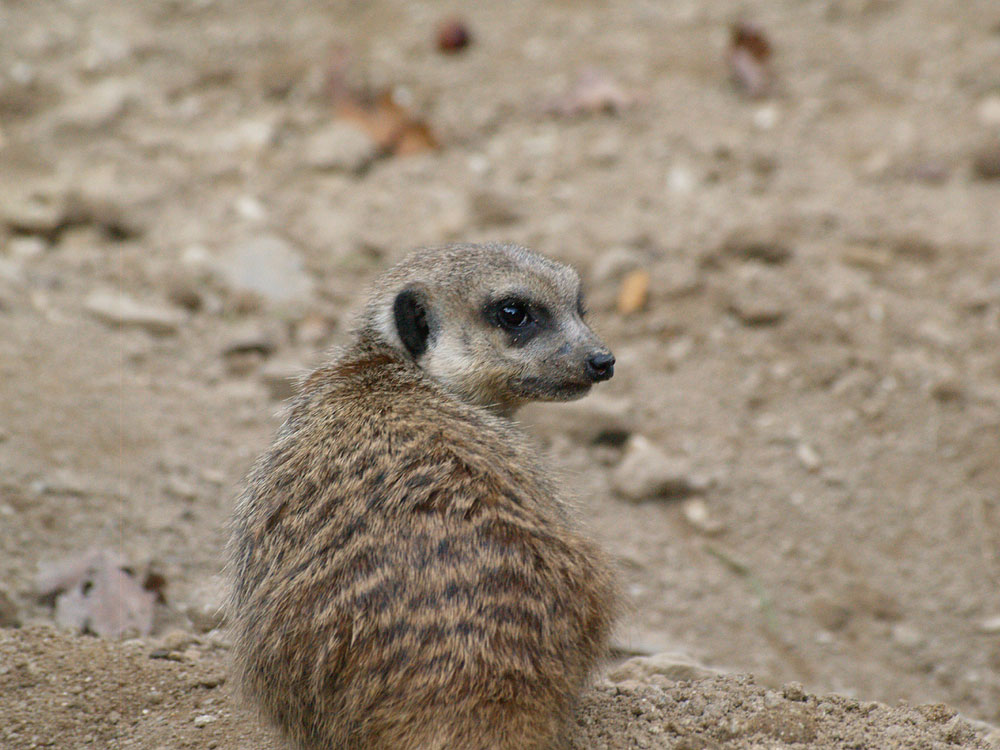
[(796, 465)]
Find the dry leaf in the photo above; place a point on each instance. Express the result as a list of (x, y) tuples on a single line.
[(393, 129), (749, 58), (594, 91), (95, 593), (634, 292)]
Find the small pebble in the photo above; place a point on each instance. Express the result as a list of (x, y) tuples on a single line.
[(757, 311), (646, 472), (906, 635), (26, 247), (760, 296), (116, 309), (267, 265), (989, 111), (808, 457), (251, 337), (96, 107), (453, 36), (990, 625), (339, 147), (680, 180), (766, 117), (794, 691), (250, 208), (204, 720), (697, 514)]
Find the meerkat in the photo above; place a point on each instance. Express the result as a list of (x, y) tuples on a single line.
[(405, 572)]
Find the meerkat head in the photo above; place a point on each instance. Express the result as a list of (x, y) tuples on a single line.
[(498, 325)]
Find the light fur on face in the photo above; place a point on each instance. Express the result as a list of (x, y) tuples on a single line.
[(467, 351)]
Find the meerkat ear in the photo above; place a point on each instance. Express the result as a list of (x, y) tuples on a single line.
[(412, 321)]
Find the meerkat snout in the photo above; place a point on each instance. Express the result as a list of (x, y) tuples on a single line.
[(601, 366)]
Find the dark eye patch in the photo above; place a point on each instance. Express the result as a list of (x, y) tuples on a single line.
[(520, 318)]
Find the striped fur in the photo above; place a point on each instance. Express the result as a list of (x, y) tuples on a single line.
[(404, 575)]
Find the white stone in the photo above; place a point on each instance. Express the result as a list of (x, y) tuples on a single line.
[(96, 107), (808, 457), (250, 208), (196, 257), (26, 247), (988, 111), (250, 135), (266, 265), (646, 472), (990, 625), (766, 117), (697, 514), (338, 147), (906, 635), (115, 308), (680, 180)]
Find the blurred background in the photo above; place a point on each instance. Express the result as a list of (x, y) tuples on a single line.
[(786, 213)]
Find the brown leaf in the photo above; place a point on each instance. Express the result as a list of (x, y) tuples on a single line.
[(393, 129), (749, 59), (634, 292), (96, 593)]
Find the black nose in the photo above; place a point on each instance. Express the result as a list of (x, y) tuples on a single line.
[(600, 366)]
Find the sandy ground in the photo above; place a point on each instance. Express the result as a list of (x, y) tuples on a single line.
[(813, 383)]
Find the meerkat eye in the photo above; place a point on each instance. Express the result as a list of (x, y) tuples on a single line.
[(514, 315)]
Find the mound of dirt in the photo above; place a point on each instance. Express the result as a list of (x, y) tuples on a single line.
[(82, 692)]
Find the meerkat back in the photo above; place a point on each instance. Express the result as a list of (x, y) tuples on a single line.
[(404, 573)]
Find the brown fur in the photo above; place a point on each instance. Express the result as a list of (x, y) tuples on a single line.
[(405, 575)]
